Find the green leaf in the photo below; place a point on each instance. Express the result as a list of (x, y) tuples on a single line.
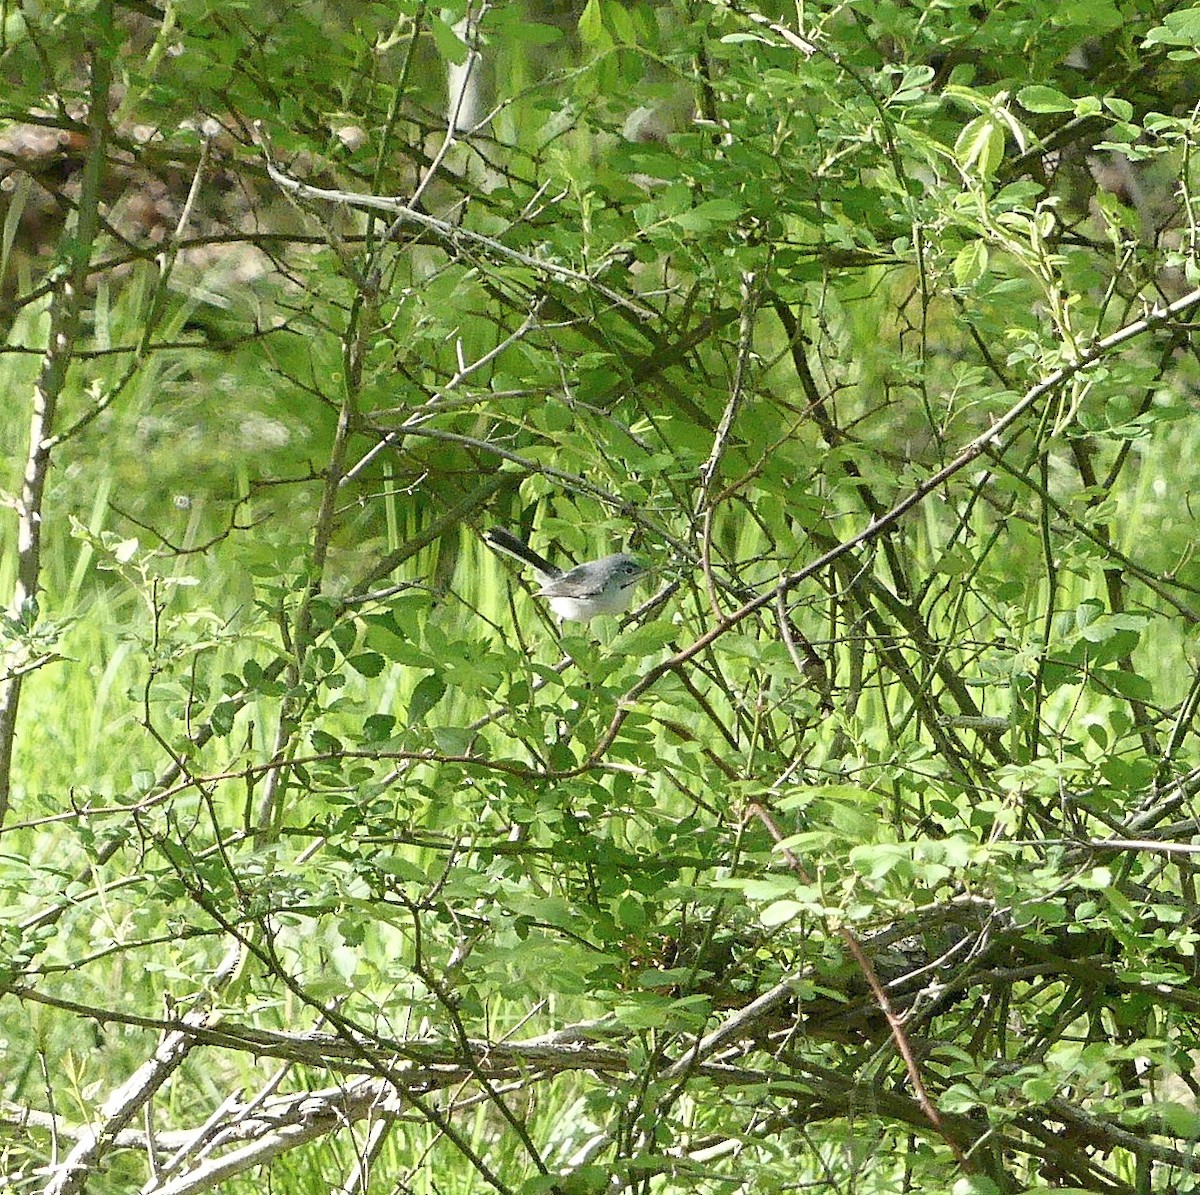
[(913, 84), (453, 740), (761, 889), (708, 214), (592, 31), (1182, 1120), (377, 728), (618, 16), (780, 912), (1178, 29), (970, 263), (801, 796), (344, 635), (1057, 1190), (958, 1097), (402, 869), (738, 39), (143, 781), (1129, 684), (367, 663), (222, 717), (980, 146), (644, 640), (581, 1180), (975, 1184), (449, 45), (874, 861), (1040, 1088), (1096, 17), (1038, 98), (427, 692), (325, 743)]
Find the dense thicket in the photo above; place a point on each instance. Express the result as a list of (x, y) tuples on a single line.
[(860, 857)]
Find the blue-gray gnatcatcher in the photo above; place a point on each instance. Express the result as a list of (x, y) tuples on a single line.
[(603, 586)]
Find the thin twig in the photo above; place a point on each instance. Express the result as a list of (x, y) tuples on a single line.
[(454, 236)]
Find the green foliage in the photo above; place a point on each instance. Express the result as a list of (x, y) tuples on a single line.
[(860, 858)]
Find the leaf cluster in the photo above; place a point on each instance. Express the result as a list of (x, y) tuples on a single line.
[(861, 853)]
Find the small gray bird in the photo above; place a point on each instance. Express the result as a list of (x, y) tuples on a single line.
[(603, 586)]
